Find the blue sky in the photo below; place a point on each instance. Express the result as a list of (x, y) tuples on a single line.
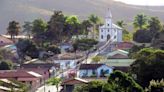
[(143, 2)]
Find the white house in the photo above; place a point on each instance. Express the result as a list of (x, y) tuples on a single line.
[(110, 30), (94, 70), (118, 59), (67, 60)]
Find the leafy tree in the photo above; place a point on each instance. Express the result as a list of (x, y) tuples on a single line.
[(127, 36), (26, 47), (39, 26), (74, 24), (117, 82), (142, 36), (13, 29), (54, 81), (121, 82), (140, 21), (56, 27), (148, 65), (54, 49), (86, 24), (28, 27), (154, 25), (156, 86), (97, 59), (85, 44), (158, 41), (6, 65), (95, 21)]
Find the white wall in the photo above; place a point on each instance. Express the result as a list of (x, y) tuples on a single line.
[(64, 64), (89, 73), (104, 67)]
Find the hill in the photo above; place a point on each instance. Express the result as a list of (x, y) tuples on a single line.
[(27, 10)]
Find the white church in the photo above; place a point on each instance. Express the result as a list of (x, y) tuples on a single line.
[(110, 31)]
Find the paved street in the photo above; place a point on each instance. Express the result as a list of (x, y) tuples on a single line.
[(47, 88)]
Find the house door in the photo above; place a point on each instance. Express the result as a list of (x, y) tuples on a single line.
[(108, 37)]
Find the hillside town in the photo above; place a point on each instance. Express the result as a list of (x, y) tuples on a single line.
[(65, 54)]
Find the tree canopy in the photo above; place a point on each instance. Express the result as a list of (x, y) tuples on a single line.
[(148, 66)]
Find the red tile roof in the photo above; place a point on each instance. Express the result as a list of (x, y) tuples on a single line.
[(118, 56), (124, 45), (15, 74)]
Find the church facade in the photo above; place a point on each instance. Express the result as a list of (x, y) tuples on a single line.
[(110, 31)]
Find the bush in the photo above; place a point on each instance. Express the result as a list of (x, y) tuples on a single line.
[(54, 49), (85, 44)]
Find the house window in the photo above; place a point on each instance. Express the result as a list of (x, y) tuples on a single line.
[(108, 30), (108, 24), (101, 30), (102, 37)]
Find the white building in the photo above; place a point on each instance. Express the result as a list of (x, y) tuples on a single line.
[(94, 70), (67, 60), (110, 30)]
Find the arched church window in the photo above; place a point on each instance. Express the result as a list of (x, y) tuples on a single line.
[(108, 30), (102, 36), (108, 24)]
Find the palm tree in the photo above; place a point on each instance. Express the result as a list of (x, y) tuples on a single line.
[(94, 20), (140, 21), (28, 28), (54, 81), (86, 24), (122, 25), (13, 29)]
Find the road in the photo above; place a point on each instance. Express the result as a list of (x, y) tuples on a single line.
[(47, 88)]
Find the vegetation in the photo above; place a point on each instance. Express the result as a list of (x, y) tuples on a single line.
[(97, 59), (6, 65), (27, 28), (13, 29), (146, 28), (148, 65), (127, 36), (54, 81), (25, 48), (117, 82), (84, 44), (156, 86)]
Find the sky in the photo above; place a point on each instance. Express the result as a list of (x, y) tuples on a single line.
[(143, 2)]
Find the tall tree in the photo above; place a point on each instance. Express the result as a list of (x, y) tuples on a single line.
[(56, 26), (74, 24), (154, 26), (140, 21), (95, 21), (26, 47), (13, 29), (148, 66), (28, 27), (86, 24), (39, 26)]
